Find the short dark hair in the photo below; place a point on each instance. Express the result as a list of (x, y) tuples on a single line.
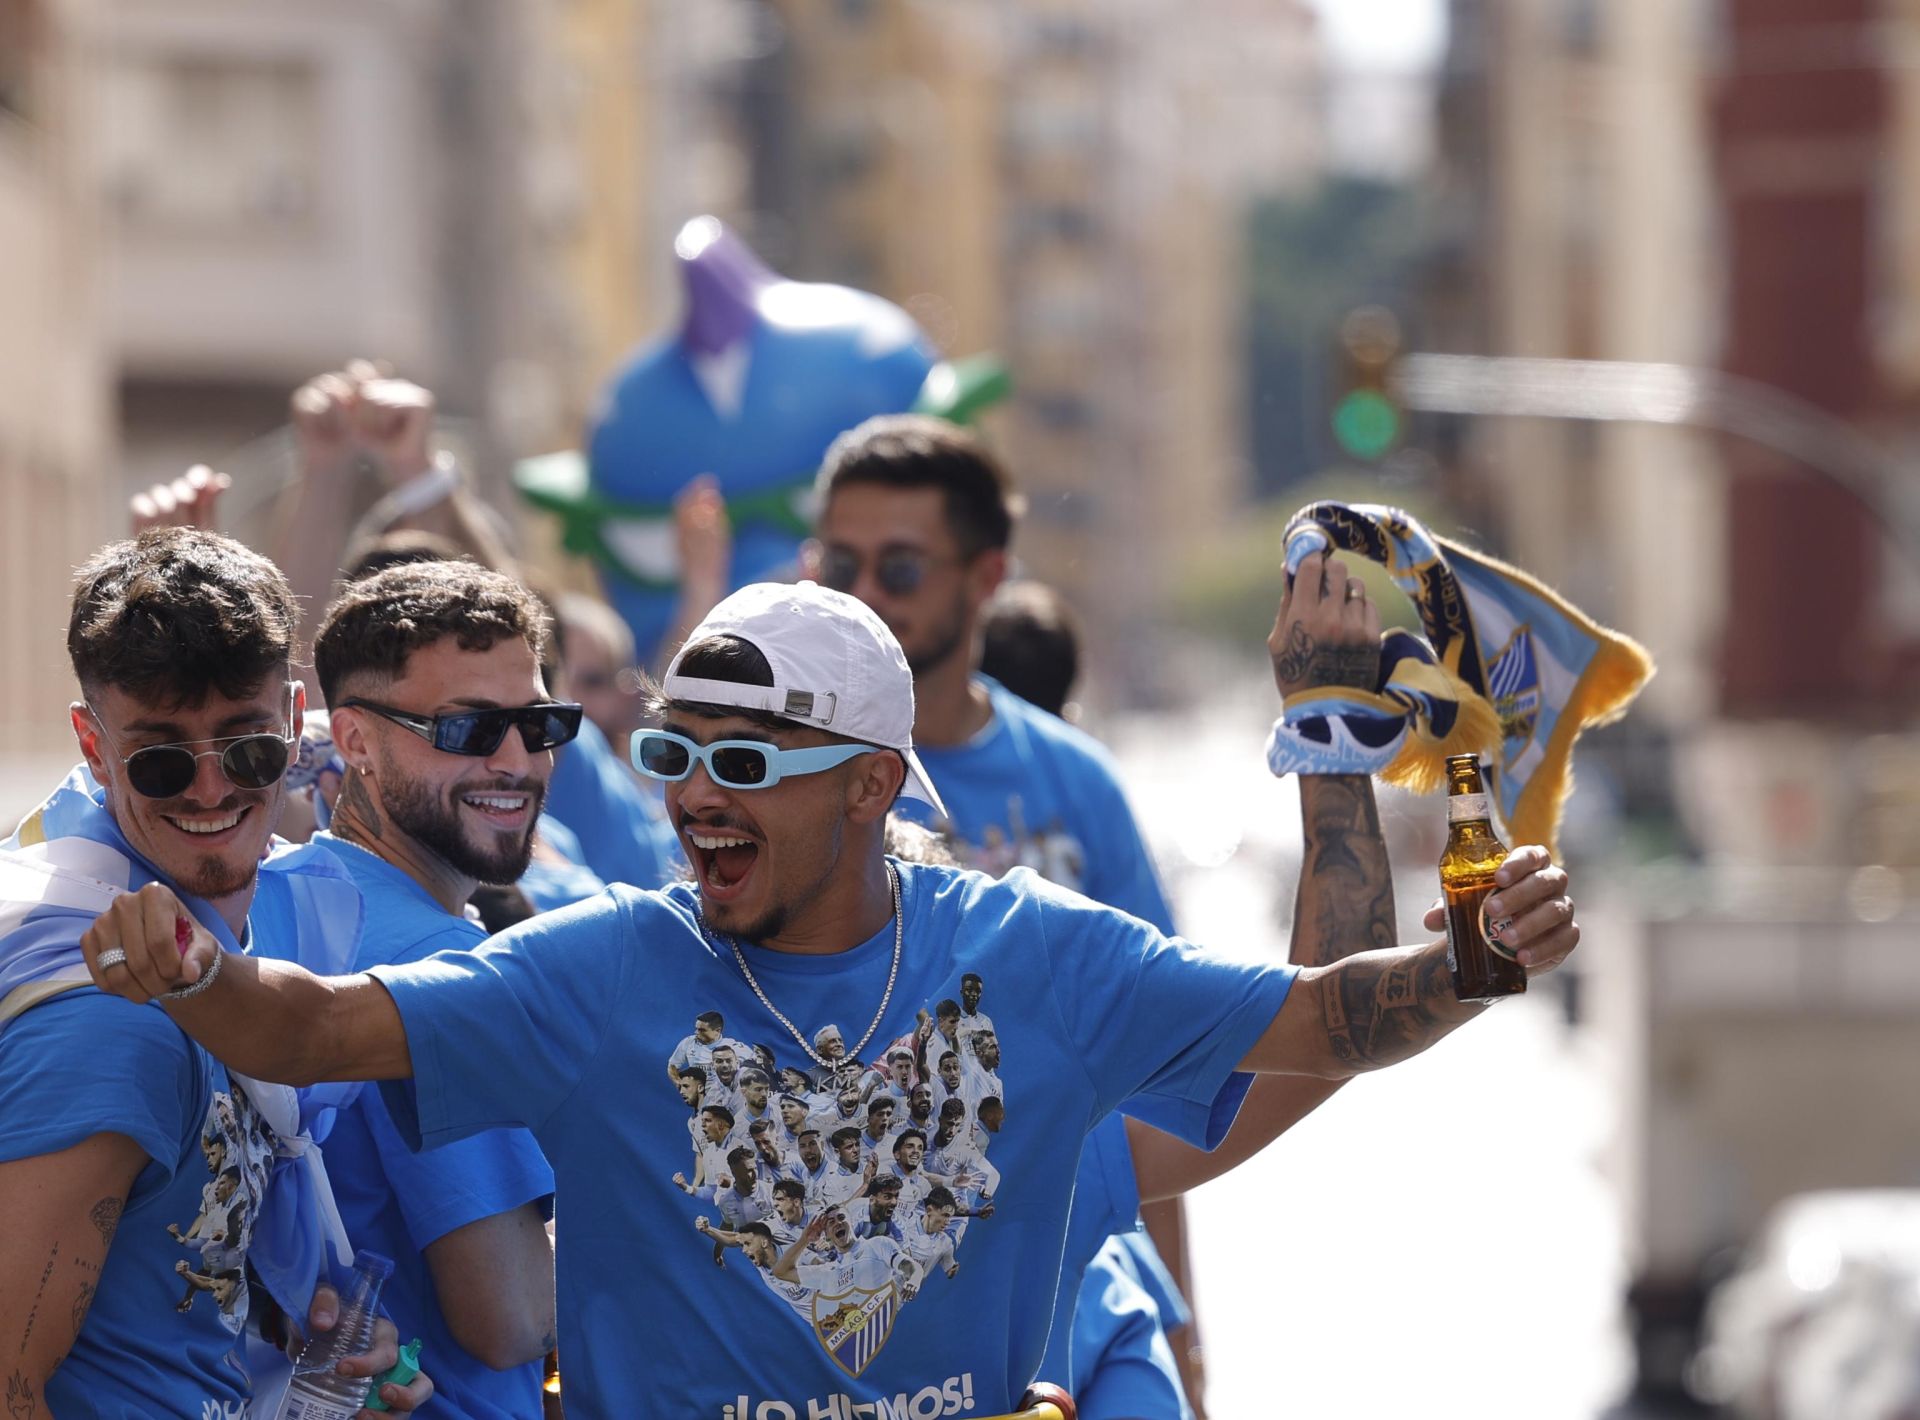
[(711, 1018), (790, 1187), (879, 1102), (721, 1113), (177, 612), (694, 1072), (1030, 643), (946, 1008), (974, 977), (884, 1183), (375, 625), (738, 1153), (940, 1196), (906, 1134), (843, 1136), (918, 451)]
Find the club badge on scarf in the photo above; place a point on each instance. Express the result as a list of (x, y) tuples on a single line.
[(1508, 670)]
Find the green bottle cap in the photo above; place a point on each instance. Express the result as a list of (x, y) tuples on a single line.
[(404, 1370)]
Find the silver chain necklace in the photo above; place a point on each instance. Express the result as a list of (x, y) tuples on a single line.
[(893, 972)]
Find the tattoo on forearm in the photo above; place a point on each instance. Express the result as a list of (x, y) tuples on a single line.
[(105, 1216), (21, 1401), (1345, 901), (39, 1296), (1382, 1010), (80, 1305), (359, 814)]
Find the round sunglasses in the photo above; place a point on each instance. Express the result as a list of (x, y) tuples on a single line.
[(546, 725), (898, 571), (733, 764), (256, 761)]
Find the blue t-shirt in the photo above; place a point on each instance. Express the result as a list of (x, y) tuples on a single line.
[(622, 827), (395, 1201), (163, 1333), (564, 1024), (549, 884), (1031, 790), (1126, 1368)]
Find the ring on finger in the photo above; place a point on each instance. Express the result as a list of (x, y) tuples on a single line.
[(112, 956), (1355, 591)]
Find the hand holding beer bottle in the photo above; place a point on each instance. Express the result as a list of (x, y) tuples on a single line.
[(1483, 965)]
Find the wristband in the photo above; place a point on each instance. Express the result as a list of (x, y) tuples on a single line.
[(206, 980)]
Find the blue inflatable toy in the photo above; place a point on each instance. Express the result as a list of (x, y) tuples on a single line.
[(759, 379)]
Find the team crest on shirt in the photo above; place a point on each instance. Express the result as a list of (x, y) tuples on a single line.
[(1513, 684), (843, 1187), (854, 1325)]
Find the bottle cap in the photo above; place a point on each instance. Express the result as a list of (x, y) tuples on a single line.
[(402, 1372)]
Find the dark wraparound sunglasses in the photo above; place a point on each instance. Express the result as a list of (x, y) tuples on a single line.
[(547, 725)]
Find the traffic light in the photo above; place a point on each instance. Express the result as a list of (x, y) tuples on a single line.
[(1366, 418)]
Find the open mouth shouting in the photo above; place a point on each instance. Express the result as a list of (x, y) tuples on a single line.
[(723, 859)]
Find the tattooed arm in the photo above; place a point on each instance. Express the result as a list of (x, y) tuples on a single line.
[(61, 1210), (1379, 1008), (1324, 635)]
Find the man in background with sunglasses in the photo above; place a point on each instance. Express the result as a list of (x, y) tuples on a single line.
[(116, 1129), (799, 918), (432, 674), (916, 519)]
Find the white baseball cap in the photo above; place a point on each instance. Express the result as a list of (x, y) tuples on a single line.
[(835, 666)]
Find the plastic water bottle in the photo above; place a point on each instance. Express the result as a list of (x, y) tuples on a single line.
[(317, 1391)]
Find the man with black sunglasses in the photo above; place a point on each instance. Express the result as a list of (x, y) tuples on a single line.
[(432, 672), (798, 917), (116, 1130)]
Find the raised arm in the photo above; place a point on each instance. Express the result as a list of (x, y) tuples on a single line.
[(1344, 902), (268, 1019)]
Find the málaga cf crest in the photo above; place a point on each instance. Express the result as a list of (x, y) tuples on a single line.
[(854, 1325), (1513, 684)]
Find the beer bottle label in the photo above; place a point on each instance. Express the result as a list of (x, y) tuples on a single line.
[(1494, 944), (1464, 807)]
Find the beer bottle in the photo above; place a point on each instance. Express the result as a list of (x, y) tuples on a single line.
[(1482, 968)]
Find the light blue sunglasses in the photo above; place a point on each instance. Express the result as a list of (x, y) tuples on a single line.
[(733, 764)]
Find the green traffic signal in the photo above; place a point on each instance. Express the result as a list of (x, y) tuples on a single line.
[(1366, 424)]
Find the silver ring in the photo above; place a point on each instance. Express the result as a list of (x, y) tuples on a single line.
[(112, 956)]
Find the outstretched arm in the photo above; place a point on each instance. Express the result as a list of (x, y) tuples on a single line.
[(268, 1019)]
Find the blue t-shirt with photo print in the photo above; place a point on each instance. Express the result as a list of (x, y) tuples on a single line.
[(162, 1333), (564, 1024), (397, 1202)]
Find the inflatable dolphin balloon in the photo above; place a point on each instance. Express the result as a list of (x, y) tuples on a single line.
[(760, 378)]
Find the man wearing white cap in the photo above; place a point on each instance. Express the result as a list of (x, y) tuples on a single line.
[(785, 739)]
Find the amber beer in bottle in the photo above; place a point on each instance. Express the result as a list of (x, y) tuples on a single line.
[(1482, 968)]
